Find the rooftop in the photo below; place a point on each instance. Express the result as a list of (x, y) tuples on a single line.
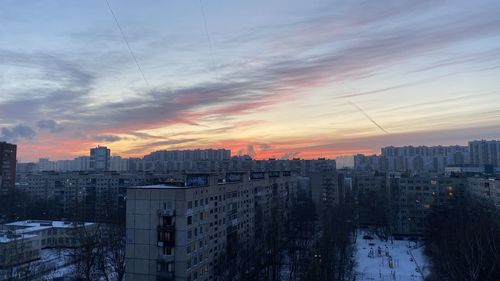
[(36, 225), (159, 186)]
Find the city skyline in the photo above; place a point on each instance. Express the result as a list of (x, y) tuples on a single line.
[(282, 79)]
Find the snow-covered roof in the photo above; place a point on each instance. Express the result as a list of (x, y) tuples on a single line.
[(28, 226)]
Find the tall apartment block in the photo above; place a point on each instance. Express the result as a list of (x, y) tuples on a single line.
[(326, 188), (483, 152), (424, 158), (178, 232), (8, 154), (100, 159)]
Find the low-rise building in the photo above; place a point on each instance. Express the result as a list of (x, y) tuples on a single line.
[(18, 248), (22, 241)]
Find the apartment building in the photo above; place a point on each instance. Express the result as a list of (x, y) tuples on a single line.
[(178, 232), (8, 154), (485, 190), (485, 152), (412, 198), (424, 158), (326, 188), (371, 195), (100, 158), (97, 195)]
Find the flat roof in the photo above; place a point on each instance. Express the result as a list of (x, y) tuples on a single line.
[(37, 225), (159, 186)]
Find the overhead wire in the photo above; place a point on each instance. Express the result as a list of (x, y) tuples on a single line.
[(207, 33), (148, 85)]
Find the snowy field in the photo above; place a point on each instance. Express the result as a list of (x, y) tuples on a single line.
[(396, 260)]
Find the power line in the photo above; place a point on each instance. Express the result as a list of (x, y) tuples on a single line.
[(368, 116), (202, 7), (130, 50)]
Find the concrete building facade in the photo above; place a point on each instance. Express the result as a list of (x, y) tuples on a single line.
[(179, 232), (100, 159), (8, 154)]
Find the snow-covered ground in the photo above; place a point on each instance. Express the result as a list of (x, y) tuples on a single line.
[(52, 263), (394, 260), (61, 259)]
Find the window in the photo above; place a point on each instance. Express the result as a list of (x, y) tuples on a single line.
[(189, 220), (190, 204), (167, 250)]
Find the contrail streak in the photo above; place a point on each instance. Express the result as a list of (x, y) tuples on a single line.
[(368, 116)]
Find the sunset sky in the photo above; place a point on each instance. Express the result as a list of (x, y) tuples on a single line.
[(277, 78)]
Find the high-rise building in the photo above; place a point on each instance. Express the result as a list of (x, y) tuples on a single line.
[(483, 152), (326, 188), (179, 232), (424, 158), (44, 164), (8, 154), (81, 163), (100, 158)]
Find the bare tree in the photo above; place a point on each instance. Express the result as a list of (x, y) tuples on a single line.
[(333, 259), (85, 256), (111, 254), (463, 242)]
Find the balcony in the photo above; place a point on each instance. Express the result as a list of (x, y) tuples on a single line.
[(166, 258), (166, 212), (165, 276), (166, 235), (166, 228)]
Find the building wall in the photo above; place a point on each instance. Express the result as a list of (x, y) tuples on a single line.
[(22, 241), (413, 197), (177, 233), (8, 154), (100, 159), (485, 152), (18, 249), (97, 195), (327, 188), (484, 190)]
